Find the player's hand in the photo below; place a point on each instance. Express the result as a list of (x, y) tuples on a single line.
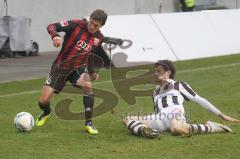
[(57, 42), (94, 76), (228, 118)]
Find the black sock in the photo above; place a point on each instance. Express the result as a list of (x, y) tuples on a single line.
[(88, 102), (45, 108)]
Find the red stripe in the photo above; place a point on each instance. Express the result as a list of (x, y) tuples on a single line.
[(70, 42), (51, 30), (74, 51)]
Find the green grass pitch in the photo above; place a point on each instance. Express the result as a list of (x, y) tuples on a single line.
[(217, 79)]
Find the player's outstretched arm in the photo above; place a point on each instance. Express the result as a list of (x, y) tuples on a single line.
[(210, 107), (228, 118)]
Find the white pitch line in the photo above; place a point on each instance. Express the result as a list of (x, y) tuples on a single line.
[(179, 72), (209, 68), (20, 93)]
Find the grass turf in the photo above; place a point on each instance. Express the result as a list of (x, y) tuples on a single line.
[(216, 79)]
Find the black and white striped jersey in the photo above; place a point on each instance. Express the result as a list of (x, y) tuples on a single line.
[(174, 93)]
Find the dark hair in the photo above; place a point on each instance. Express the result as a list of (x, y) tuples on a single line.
[(99, 16), (168, 66)]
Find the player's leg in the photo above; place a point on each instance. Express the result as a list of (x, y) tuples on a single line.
[(81, 78), (141, 126), (54, 84), (209, 127), (44, 104), (88, 101), (179, 127)]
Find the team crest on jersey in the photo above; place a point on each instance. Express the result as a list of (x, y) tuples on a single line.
[(64, 23), (96, 41)]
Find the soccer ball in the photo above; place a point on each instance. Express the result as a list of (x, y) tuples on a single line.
[(24, 121)]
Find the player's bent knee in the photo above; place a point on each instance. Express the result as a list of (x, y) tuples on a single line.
[(175, 130), (179, 129), (84, 84)]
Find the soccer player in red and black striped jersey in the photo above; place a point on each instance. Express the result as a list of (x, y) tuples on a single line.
[(80, 40), (168, 98)]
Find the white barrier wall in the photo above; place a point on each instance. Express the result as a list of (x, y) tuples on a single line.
[(147, 42), (45, 12), (201, 34), (176, 36)]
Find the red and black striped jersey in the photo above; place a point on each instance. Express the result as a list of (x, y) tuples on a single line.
[(77, 45)]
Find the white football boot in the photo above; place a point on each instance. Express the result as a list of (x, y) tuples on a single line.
[(216, 127)]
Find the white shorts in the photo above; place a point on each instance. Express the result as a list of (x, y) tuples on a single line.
[(161, 121)]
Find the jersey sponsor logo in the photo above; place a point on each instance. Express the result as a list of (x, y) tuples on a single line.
[(64, 23), (83, 45)]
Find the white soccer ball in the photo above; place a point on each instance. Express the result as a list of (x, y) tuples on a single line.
[(24, 121)]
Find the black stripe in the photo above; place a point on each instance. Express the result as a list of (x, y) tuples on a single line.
[(135, 126), (192, 128), (156, 108), (199, 128), (185, 97), (206, 129), (152, 95), (188, 89), (157, 91), (166, 87), (176, 86), (164, 102), (155, 105), (140, 131), (129, 126), (175, 100)]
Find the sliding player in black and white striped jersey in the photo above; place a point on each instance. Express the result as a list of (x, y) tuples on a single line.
[(168, 98)]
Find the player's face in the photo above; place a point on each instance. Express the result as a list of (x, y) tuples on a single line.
[(161, 75), (93, 26)]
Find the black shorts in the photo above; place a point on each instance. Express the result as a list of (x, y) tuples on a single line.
[(58, 78)]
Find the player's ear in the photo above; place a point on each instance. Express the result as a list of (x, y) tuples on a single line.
[(169, 73)]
